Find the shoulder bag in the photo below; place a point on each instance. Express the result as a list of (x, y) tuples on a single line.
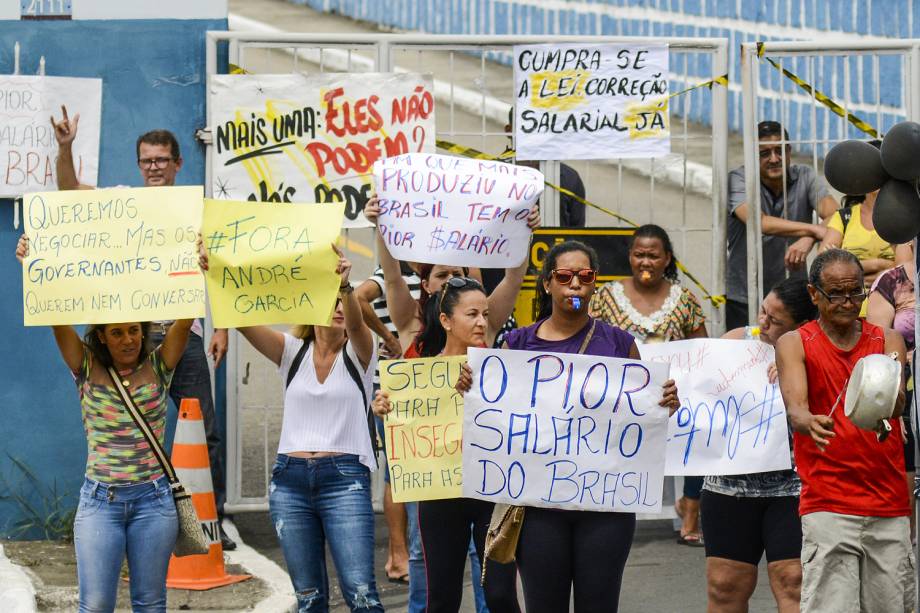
[(191, 539)]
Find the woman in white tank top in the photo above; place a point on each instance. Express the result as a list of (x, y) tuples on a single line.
[(320, 487)]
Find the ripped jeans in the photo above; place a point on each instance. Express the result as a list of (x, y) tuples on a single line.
[(312, 500)]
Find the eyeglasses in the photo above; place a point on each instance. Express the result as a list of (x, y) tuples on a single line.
[(148, 163), (457, 283), (843, 298), (586, 276)]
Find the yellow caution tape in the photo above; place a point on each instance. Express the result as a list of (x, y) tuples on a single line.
[(819, 96), (469, 152), (234, 69), (723, 81)]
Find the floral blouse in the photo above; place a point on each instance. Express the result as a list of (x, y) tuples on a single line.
[(680, 313)]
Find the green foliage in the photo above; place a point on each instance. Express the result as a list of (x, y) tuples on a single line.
[(45, 510)]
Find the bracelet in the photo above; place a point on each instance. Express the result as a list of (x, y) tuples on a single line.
[(346, 289)]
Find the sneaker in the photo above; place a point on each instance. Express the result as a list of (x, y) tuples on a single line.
[(225, 541)]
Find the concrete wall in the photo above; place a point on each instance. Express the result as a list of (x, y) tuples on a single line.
[(153, 75), (872, 90)]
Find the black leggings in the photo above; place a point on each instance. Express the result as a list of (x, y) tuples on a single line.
[(560, 548), (445, 527)]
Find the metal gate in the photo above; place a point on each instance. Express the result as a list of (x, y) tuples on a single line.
[(684, 192), (864, 82)]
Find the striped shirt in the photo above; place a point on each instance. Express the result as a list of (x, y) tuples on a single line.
[(380, 304), (327, 416)]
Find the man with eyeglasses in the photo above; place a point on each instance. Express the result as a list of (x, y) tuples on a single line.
[(790, 194), (159, 161), (856, 550)]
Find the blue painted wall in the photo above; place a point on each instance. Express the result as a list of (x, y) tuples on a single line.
[(737, 20), (153, 75)]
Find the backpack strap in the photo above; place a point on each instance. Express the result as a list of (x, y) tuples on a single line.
[(295, 363), (356, 377), (846, 213)]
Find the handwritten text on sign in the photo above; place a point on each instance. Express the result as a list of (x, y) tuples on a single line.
[(271, 263), (442, 209), (586, 102), (424, 431), (564, 430), (732, 419), (112, 255), (314, 138), (28, 149)]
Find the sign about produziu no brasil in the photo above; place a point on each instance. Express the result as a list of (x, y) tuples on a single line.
[(314, 138), (442, 209), (564, 430), (585, 102)]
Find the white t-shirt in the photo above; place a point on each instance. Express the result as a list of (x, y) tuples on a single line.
[(328, 416)]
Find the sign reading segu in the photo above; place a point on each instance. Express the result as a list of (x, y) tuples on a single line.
[(564, 430), (112, 255)]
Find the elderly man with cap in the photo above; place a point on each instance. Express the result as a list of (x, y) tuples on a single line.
[(856, 550)]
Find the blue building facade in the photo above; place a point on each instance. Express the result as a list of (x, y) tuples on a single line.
[(153, 73)]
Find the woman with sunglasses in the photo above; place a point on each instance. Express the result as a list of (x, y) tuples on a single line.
[(653, 307), (563, 549), (458, 317)]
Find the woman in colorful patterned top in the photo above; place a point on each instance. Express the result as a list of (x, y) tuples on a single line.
[(653, 307), (126, 505), (747, 516)]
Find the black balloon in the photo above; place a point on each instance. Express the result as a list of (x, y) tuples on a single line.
[(901, 151), (896, 215), (854, 167)]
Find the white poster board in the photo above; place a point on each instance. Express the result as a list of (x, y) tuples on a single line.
[(563, 430), (732, 420), (314, 138), (442, 209), (28, 149), (580, 101)]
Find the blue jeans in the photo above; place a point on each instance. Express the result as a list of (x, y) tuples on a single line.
[(139, 520), (192, 379), (312, 500)]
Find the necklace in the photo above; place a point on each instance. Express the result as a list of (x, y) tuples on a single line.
[(125, 373)]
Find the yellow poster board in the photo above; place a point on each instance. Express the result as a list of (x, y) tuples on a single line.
[(271, 263), (112, 256), (424, 431)]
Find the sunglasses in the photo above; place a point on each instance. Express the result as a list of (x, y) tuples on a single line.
[(457, 283), (586, 276)]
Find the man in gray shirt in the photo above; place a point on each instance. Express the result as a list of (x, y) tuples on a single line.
[(786, 220)]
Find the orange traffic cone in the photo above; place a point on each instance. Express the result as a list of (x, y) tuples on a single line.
[(190, 459)]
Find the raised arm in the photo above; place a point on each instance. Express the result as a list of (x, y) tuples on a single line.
[(65, 131), (502, 299), (366, 293), (174, 342), (358, 333), (402, 306)]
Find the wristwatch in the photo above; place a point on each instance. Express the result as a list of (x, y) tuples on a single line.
[(345, 289)]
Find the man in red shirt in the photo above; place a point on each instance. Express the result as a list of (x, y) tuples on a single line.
[(856, 551)]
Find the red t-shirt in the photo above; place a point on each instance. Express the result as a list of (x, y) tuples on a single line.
[(856, 475)]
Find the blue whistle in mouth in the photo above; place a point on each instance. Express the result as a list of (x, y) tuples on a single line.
[(576, 302)]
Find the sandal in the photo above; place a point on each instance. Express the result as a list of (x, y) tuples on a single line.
[(402, 579), (692, 539)]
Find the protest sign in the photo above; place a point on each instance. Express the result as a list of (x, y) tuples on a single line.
[(581, 101), (112, 255), (271, 263), (28, 149), (564, 430), (424, 431), (732, 419), (314, 138), (442, 209)]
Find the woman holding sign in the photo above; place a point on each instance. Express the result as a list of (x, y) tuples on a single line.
[(457, 318), (126, 504), (653, 307), (320, 487), (561, 548), (745, 516)]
